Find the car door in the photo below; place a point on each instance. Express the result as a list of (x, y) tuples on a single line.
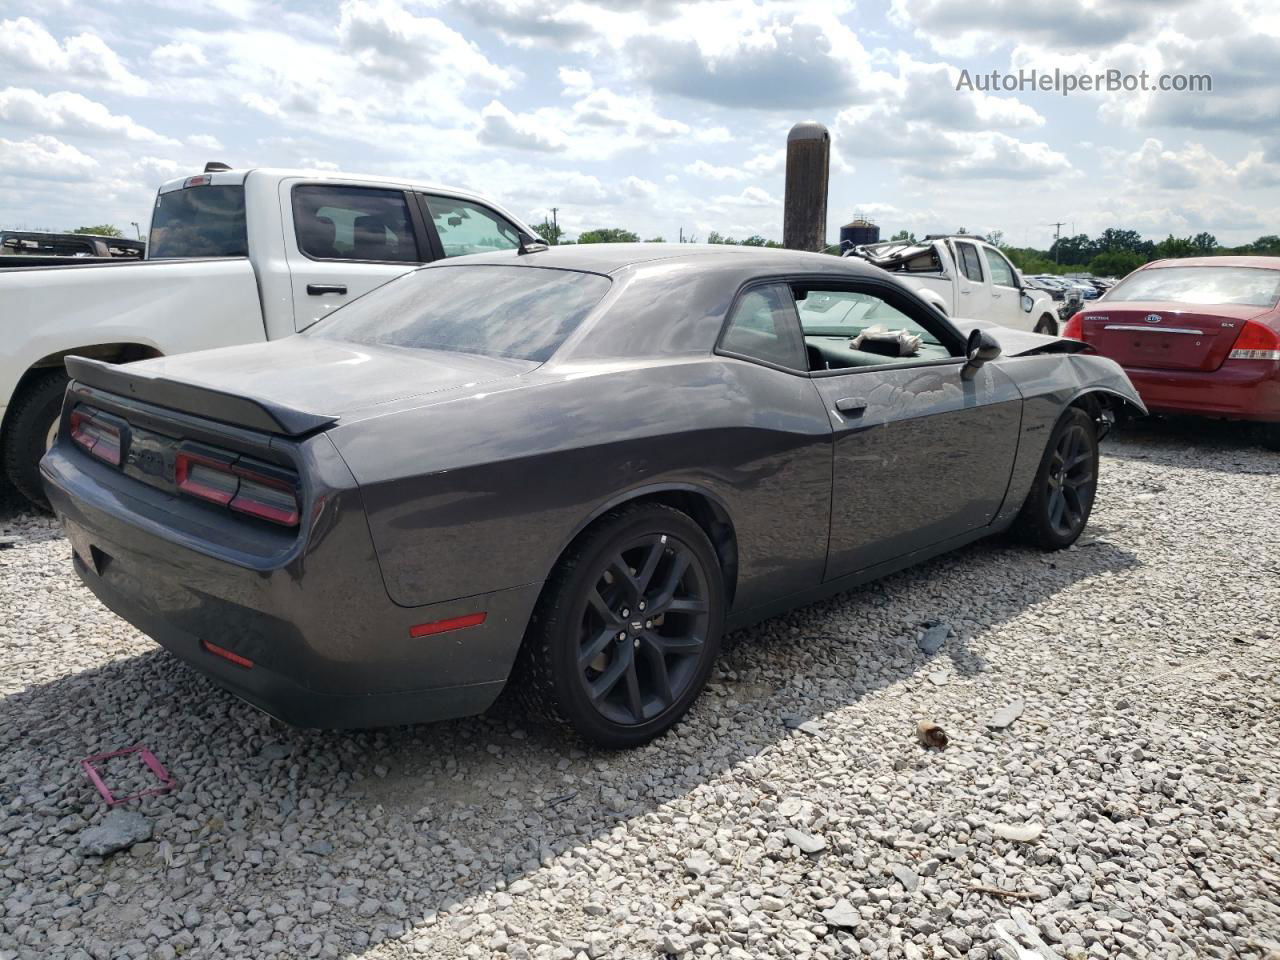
[(346, 239), (1006, 292), (973, 295), (921, 455)]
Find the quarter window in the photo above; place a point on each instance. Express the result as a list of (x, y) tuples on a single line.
[(353, 223), (969, 261), (465, 227), (1001, 272), (763, 327)]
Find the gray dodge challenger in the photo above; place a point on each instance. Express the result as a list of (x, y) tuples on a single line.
[(566, 470)]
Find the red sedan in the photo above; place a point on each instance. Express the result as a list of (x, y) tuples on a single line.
[(1198, 336)]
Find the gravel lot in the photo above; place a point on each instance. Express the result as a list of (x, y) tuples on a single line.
[(1142, 778)]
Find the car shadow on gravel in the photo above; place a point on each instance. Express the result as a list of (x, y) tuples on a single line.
[(389, 829)]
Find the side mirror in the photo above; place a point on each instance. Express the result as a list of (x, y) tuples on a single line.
[(981, 349)]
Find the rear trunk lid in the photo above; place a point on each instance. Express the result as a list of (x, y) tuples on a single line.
[(295, 386), (1159, 335)]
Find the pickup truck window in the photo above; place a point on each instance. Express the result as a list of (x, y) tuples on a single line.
[(353, 223), (1001, 272), (204, 221), (465, 227), (969, 261)]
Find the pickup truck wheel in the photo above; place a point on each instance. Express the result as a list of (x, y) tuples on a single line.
[(29, 431), (627, 628), (1048, 326)]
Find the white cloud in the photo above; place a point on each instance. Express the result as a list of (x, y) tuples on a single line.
[(499, 127), (205, 142), (391, 42), (576, 82), (639, 188), (43, 158), (179, 57), (26, 47), (751, 197), (70, 114), (700, 168)]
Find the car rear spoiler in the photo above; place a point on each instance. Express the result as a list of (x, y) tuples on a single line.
[(235, 409)]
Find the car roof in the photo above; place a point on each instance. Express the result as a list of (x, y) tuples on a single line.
[(610, 258), (1266, 263)]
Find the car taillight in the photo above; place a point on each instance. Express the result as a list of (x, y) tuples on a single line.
[(1256, 341), (97, 435), (257, 490), (1074, 328)]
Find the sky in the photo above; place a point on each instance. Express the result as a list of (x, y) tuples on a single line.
[(659, 116)]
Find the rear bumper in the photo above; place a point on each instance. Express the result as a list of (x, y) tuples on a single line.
[(1238, 390), (327, 645)]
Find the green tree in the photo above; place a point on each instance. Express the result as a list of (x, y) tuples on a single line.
[(755, 240), (1264, 245), (608, 235), (101, 230), (1172, 246), (1075, 251), (996, 238), (1205, 242), (905, 236), (656, 240), (1116, 263), (716, 237), (548, 231)]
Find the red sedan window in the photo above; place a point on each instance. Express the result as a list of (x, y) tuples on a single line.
[(1251, 286)]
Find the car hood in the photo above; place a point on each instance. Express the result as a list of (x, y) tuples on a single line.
[(1020, 343), (331, 379)]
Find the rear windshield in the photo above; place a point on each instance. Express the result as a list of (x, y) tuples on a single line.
[(496, 311), (1251, 286), (199, 222)]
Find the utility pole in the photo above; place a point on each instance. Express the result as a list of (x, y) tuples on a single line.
[(136, 229), (555, 225), (1057, 234)]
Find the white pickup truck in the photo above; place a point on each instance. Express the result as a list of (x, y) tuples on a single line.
[(965, 276), (234, 256)]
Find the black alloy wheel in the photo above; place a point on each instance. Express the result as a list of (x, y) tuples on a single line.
[(627, 627), (1061, 498), (643, 629)]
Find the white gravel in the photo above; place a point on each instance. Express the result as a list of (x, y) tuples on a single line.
[(1132, 809)]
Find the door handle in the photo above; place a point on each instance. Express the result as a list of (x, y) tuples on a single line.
[(995, 296), (320, 289), (964, 293), (853, 406)]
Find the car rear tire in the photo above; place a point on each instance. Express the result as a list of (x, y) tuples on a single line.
[(32, 417), (1047, 326), (627, 628), (1057, 508)]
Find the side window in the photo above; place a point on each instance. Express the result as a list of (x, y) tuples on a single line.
[(1001, 272), (353, 223), (465, 227), (969, 261), (849, 328), (763, 326)]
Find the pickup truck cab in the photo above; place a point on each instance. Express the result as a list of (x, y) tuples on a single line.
[(233, 256), (964, 276)]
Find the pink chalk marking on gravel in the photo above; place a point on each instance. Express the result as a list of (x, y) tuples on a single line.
[(167, 782)]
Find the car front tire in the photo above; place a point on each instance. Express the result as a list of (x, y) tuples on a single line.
[(627, 628), (1058, 506), (1047, 326)]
